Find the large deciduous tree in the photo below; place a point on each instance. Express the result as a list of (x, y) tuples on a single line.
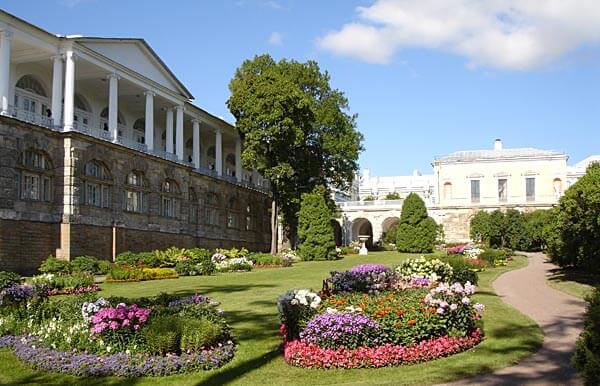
[(297, 131)]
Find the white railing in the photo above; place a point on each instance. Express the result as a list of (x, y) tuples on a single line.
[(97, 131), (373, 203)]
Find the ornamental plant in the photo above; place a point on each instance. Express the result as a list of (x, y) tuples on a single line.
[(361, 278), (121, 317), (435, 270), (334, 330), (454, 306), (295, 308), (315, 233)]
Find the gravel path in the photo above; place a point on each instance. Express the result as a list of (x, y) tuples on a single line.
[(559, 315)]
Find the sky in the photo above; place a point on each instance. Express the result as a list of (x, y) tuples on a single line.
[(426, 77)]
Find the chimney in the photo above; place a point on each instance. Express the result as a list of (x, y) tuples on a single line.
[(498, 144)]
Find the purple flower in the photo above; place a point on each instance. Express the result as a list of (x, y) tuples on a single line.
[(369, 268), (340, 330)]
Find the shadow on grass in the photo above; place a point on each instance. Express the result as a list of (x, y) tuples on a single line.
[(577, 275)]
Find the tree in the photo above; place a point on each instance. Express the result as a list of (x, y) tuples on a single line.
[(389, 236), (534, 229), (296, 129), (480, 227), (417, 232), (514, 229), (315, 233), (497, 229), (392, 196), (369, 198), (578, 223)]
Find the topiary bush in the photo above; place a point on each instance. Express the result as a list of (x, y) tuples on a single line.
[(417, 232), (587, 353), (54, 265), (315, 233)]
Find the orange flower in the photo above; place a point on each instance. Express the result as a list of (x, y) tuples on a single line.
[(411, 322), (400, 312)]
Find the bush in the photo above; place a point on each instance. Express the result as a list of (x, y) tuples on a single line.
[(163, 334), (587, 353), (577, 227), (492, 255), (89, 264), (347, 250), (514, 231), (54, 265), (434, 270), (417, 232), (315, 233), (104, 267), (147, 259), (265, 259), (199, 334), (233, 265), (124, 273), (464, 274), (74, 280), (8, 279)]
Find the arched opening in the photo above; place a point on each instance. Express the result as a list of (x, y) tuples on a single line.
[(82, 113), (230, 165), (31, 99), (388, 228), (139, 130), (362, 227), (104, 121), (447, 191), (337, 232)]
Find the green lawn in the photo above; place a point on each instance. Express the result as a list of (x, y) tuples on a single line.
[(573, 281), (249, 300)]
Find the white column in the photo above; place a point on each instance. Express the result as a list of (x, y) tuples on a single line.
[(169, 125), (238, 159), (113, 106), (149, 119), (179, 132), (196, 143), (5, 40), (69, 95), (57, 89), (219, 152)]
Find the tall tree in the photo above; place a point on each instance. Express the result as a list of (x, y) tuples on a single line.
[(416, 231), (315, 233), (297, 131)]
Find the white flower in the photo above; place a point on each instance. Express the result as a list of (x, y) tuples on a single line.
[(478, 306), (453, 307), (466, 300), (294, 302)]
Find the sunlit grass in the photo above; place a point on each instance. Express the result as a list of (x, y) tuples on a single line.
[(249, 300)]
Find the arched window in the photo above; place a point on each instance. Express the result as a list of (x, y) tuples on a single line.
[(104, 120), (447, 191), (558, 187), (81, 103), (169, 202), (139, 130), (32, 85), (212, 209), (96, 185), (136, 194), (35, 177)]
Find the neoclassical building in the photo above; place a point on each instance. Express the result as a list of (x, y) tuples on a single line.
[(102, 151), (463, 183)]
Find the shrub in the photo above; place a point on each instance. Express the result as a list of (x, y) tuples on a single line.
[(577, 227), (195, 261), (124, 273), (158, 273), (315, 233), (295, 308), (198, 334), (74, 280), (163, 334), (534, 230), (233, 253), (463, 275), (514, 231), (147, 259), (434, 270), (236, 264), (417, 232), (587, 353), (265, 259), (89, 264), (104, 266), (390, 236), (347, 250), (8, 279), (54, 265), (492, 255)]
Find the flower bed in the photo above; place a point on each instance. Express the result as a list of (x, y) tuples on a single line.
[(67, 283), (126, 273), (373, 316), (87, 336)]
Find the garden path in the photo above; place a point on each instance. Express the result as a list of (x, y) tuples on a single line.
[(558, 314)]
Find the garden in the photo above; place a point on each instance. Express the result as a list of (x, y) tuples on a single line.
[(251, 322)]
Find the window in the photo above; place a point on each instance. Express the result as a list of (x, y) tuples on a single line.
[(193, 210), (35, 176), (557, 184), (139, 130), (447, 190), (475, 191), (169, 199), (502, 193), (212, 212), (231, 215), (136, 199), (248, 218), (29, 83), (530, 188), (96, 185)]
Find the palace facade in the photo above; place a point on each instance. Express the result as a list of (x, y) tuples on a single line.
[(103, 151)]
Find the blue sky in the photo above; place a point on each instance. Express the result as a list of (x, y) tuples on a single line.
[(425, 80)]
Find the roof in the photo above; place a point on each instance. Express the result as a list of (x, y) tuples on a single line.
[(583, 164), (501, 154)]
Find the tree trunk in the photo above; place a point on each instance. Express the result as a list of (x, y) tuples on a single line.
[(274, 216)]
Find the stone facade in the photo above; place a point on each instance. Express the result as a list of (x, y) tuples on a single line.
[(59, 219)]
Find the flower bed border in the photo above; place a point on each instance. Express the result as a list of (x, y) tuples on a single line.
[(301, 354), (120, 364), (74, 291)]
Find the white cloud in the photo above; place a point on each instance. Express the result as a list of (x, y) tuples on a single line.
[(276, 39), (509, 34)]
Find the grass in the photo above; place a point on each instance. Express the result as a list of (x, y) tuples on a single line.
[(249, 300), (573, 281)]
